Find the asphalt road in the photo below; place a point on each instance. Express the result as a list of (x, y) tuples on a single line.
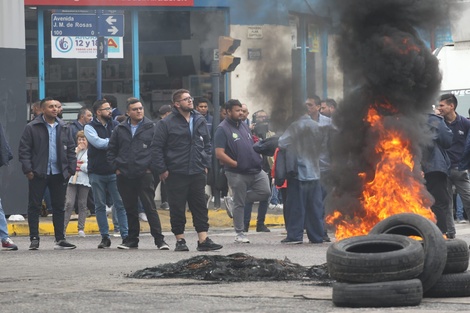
[(91, 280)]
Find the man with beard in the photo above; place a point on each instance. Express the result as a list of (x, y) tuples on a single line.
[(243, 166), (328, 107), (47, 156), (101, 174), (129, 153), (182, 156)]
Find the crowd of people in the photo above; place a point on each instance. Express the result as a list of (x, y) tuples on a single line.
[(108, 159)]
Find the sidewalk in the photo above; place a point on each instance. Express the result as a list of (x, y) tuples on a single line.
[(217, 219)]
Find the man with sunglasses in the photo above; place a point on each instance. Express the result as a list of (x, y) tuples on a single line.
[(102, 175), (182, 156)]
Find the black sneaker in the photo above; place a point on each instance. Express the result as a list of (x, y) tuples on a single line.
[(181, 245), (286, 241), (105, 243), (262, 229), (165, 206), (34, 243), (208, 245), (64, 245), (161, 244), (326, 238), (126, 244)]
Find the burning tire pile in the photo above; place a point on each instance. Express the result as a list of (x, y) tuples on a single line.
[(387, 268)]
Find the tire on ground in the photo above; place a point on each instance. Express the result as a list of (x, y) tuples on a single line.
[(381, 294), (375, 258), (435, 251), (457, 256), (450, 285)]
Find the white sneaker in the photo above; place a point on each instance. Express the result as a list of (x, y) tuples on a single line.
[(116, 234), (74, 217), (241, 238), (143, 217), (81, 233), (272, 206), (280, 206)]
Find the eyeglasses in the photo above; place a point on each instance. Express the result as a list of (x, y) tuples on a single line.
[(106, 109), (138, 109), (186, 99)]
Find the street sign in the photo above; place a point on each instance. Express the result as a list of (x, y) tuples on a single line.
[(64, 24), (88, 24), (111, 25), (102, 48)]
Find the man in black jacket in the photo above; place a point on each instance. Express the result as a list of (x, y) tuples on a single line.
[(129, 153), (47, 156), (182, 155)]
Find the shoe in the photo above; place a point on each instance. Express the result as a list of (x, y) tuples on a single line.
[(126, 245), (286, 241), (181, 245), (34, 243), (162, 245), (74, 217), (8, 244), (241, 238), (165, 206), (208, 245), (462, 221), (143, 217), (450, 236), (229, 206), (105, 243), (272, 206), (262, 229), (81, 233), (279, 206), (326, 238), (64, 245), (116, 234)]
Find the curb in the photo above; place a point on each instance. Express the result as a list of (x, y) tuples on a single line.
[(217, 219)]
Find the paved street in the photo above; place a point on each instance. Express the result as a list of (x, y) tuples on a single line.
[(92, 280)]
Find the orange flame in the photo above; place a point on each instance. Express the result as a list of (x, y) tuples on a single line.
[(395, 187)]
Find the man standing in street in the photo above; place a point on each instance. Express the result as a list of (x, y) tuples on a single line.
[(47, 156), (182, 156), (303, 140), (130, 155), (243, 166), (84, 117), (458, 177), (201, 104), (101, 174)]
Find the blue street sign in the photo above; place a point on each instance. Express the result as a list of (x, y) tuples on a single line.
[(83, 25), (63, 24), (111, 25)]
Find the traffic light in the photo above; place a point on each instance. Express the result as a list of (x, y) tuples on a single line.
[(227, 46)]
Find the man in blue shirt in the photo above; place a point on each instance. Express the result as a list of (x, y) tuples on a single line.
[(47, 156)]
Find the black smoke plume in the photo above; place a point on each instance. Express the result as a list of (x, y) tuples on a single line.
[(387, 66)]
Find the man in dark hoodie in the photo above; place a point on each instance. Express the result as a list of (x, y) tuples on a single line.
[(47, 156), (129, 153)]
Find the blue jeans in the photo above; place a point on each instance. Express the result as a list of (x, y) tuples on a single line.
[(99, 185), (3, 224), (304, 210), (459, 208)]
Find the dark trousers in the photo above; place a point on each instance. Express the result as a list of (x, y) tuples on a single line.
[(436, 184), (57, 187), (305, 210), (182, 189), (131, 189)]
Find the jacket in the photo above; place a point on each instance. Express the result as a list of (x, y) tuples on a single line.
[(97, 161), (81, 176), (131, 155), (435, 158), (33, 151), (176, 150)]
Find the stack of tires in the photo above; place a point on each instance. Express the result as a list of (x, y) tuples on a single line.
[(389, 269)]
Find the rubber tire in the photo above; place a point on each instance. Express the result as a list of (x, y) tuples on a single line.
[(450, 285), (375, 258), (435, 251), (382, 294), (457, 256)]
